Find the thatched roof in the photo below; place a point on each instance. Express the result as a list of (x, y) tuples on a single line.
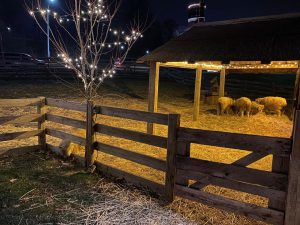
[(274, 38)]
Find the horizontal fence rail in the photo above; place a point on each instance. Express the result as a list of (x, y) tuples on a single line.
[(133, 114), (66, 121), (249, 210), (65, 136), (25, 119), (271, 145), (66, 104), (195, 168), (132, 135), (132, 156), (19, 135), (20, 102)]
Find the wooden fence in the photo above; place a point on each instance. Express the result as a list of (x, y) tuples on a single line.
[(184, 176), (38, 118)]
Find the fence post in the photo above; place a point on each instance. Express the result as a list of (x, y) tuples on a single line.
[(173, 125), (184, 150), (41, 109), (279, 165), (89, 146), (292, 210)]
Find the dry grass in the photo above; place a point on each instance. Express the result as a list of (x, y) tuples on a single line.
[(173, 98), (38, 188)]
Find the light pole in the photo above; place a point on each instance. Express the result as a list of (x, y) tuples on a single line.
[(48, 29)]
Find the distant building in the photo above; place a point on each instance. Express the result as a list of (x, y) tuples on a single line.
[(196, 12)]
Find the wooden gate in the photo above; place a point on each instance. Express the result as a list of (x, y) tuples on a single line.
[(194, 174)]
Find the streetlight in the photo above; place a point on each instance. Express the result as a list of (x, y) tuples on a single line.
[(48, 28)]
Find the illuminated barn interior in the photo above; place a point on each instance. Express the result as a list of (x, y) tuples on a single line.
[(258, 45)]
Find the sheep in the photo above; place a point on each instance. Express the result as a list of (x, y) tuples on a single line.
[(256, 108), (224, 105), (243, 105), (273, 104)]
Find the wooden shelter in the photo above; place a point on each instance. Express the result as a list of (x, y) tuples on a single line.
[(260, 45)]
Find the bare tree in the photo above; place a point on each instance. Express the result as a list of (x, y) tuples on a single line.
[(85, 40)]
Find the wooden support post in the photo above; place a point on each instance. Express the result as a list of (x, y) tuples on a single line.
[(197, 94), (153, 92), (173, 125), (41, 109), (184, 150), (222, 83), (292, 211), (296, 103), (279, 165), (89, 145)]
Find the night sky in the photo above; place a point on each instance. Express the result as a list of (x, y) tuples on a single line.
[(14, 15), (221, 9), (176, 9)]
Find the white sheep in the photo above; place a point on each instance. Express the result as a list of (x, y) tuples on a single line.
[(243, 105), (224, 105), (273, 104)]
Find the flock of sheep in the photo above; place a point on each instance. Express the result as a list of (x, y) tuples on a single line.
[(244, 106)]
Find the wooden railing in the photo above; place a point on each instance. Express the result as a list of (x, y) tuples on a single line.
[(184, 176), (140, 137), (38, 118), (61, 134)]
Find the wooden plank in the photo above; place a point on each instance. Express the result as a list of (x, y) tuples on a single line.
[(270, 145), (153, 92), (173, 124), (249, 210), (279, 165), (296, 91), (89, 141), (132, 156), (132, 135), (66, 104), (19, 102), (238, 186), (24, 119), (19, 135), (158, 118), (222, 82), (249, 159), (130, 178), (20, 150), (41, 109), (197, 93), (183, 150), (66, 121), (195, 168), (65, 136), (293, 195)]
